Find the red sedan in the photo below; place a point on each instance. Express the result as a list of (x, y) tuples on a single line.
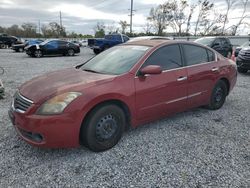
[(127, 85)]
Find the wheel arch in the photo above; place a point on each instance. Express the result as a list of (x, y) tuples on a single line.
[(121, 104)]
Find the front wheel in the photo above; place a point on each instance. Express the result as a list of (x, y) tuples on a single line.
[(38, 53), (218, 96), (103, 127)]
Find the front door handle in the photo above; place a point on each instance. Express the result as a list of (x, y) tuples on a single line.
[(182, 78), (215, 69)]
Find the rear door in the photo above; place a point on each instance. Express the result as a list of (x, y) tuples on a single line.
[(202, 71), (165, 93)]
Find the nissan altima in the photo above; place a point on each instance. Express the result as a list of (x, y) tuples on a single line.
[(127, 85)]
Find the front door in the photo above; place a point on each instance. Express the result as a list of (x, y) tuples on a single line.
[(165, 93)]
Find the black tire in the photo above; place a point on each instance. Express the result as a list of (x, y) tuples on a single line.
[(71, 52), (241, 70), (20, 50), (38, 53), (103, 127), (96, 51), (218, 96)]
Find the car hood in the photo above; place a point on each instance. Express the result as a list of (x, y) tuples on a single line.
[(57, 82)]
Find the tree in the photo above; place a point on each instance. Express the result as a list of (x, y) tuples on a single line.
[(204, 7), (124, 25), (99, 30), (160, 17), (212, 26), (53, 30), (178, 13), (230, 4), (148, 28), (243, 16), (191, 11), (29, 29)]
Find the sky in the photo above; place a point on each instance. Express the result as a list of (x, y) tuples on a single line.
[(81, 16)]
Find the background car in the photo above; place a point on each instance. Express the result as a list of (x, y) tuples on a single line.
[(126, 85), (20, 47), (76, 42), (84, 43), (237, 49), (8, 41), (52, 47), (243, 60), (100, 44), (220, 44)]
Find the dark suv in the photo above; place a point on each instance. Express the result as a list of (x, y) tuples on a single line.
[(243, 60), (220, 44), (6, 40)]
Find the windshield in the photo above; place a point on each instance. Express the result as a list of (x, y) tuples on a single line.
[(116, 60), (205, 41)]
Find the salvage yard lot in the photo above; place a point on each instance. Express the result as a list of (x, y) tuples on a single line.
[(197, 148)]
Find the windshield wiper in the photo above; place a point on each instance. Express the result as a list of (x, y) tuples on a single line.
[(89, 70)]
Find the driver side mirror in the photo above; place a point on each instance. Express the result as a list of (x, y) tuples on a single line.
[(150, 69)]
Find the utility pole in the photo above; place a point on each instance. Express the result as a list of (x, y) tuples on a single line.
[(39, 27), (60, 19), (131, 16), (61, 24)]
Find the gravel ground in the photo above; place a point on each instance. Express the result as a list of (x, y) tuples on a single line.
[(198, 148)]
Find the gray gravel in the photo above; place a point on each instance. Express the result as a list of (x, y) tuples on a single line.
[(198, 148)]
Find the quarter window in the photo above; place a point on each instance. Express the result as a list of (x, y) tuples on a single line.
[(195, 54), (168, 57)]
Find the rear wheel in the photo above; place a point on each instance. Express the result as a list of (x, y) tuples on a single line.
[(103, 127), (38, 53), (218, 96), (71, 52), (241, 70), (96, 51)]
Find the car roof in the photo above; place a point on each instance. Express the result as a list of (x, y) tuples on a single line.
[(159, 42)]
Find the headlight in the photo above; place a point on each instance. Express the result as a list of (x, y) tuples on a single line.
[(57, 104)]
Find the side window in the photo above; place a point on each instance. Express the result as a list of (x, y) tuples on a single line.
[(195, 54), (211, 56), (168, 57), (62, 43), (52, 45)]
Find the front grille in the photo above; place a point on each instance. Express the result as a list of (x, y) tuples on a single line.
[(21, 104)]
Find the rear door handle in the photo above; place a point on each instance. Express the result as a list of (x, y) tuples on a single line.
[(215, 69), (182, 78)]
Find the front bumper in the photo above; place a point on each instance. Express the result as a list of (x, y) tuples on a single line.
[(245, 64), (57, 131)]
